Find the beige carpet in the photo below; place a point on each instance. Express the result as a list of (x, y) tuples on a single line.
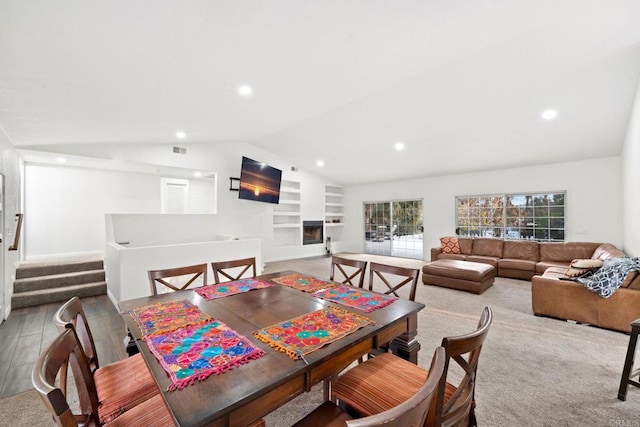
[(533, 371)]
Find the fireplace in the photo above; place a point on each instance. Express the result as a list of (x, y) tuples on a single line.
[(312, 232)]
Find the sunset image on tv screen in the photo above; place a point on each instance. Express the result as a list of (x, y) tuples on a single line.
[(259, 181)]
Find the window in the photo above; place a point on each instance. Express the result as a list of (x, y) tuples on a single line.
[(394, 228), (538, 217)]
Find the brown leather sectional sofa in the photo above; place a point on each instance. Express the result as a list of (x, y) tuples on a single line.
[(544, 264)]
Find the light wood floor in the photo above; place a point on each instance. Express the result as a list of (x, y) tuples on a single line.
[(29, 330)]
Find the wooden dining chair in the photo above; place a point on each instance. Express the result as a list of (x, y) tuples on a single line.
[(394, 277), (120, 385), (234, 269), (411, 412), (382, 382), (66, 352), (178, 278), (351, 271)]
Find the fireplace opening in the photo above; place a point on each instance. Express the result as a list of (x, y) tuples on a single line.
[(312, 232)]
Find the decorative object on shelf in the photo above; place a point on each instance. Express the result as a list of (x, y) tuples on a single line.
[(234, 184)]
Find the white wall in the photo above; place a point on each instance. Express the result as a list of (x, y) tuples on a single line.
[(593, 199), (631, 182), (10, 168), (66, 206)]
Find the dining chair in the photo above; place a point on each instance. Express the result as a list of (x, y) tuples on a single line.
[(120, 385), (382, 382), (177, 278), (229, 269), (66, 351), (394, 277), (352, 271), (411, 412)]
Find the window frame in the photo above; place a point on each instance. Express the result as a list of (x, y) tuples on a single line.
[(539, 216)]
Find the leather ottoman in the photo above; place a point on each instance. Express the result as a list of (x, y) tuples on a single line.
[(475, 277)]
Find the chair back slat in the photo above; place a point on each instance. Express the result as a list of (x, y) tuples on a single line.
[(464, 350), (71, 313), (352, 271), (229, 269), (391, 276), (188, 274), (66, 350)]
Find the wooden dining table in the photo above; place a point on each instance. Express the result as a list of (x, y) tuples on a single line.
[(248, 392)]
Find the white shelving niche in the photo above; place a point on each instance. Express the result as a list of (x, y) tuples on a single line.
[(333, 214), (287, 223)]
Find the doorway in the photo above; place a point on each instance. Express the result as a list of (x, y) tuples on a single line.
[(394, 228)]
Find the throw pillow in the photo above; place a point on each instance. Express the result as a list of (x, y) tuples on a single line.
[(582, 267), (450, 245)]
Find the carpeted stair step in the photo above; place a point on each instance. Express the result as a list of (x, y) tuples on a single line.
[(58, 266), (59, 294), (57, 280)]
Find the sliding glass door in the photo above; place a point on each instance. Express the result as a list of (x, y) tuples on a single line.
[(393, 228)]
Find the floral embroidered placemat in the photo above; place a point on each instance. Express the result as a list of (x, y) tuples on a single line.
[(167, 316), (304, 283), (309, 332), (225, 289), (193, 353), (355, 297)]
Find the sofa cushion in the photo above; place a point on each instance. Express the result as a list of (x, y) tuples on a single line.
[(520, 249), (488, 247), (631, 282), (449, 245), (466, 245), (607, 250), (459, 257), (543, 266), (567, 251), (517, 264)]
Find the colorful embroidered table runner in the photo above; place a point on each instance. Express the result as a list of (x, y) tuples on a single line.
[(192, 353), (304, 283), (230, 288), (355, 297), (309, 332), (168, 316)]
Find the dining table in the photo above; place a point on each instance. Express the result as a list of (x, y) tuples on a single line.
[(247, 392)]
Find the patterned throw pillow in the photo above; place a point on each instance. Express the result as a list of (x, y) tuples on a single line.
[(450, 245), (582, 267)]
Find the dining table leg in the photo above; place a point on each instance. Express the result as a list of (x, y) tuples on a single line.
[(406, 345)]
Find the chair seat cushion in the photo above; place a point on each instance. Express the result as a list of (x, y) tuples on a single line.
[(381, 383), (151, 412), (123, 385)]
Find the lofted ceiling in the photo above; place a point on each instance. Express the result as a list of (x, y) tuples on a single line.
[(461, 83)]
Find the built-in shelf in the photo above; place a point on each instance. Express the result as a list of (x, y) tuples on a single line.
[(333, 212), (287, 220)]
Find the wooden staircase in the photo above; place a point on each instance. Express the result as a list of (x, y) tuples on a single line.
[(56, 280)]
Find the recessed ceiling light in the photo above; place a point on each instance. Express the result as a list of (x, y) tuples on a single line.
[(319, 163), (197, 173), (245, 90), (399, 145), (181, 135), (61, 159), (549, 114)]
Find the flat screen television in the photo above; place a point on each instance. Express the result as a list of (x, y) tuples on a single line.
[(259, 181)]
